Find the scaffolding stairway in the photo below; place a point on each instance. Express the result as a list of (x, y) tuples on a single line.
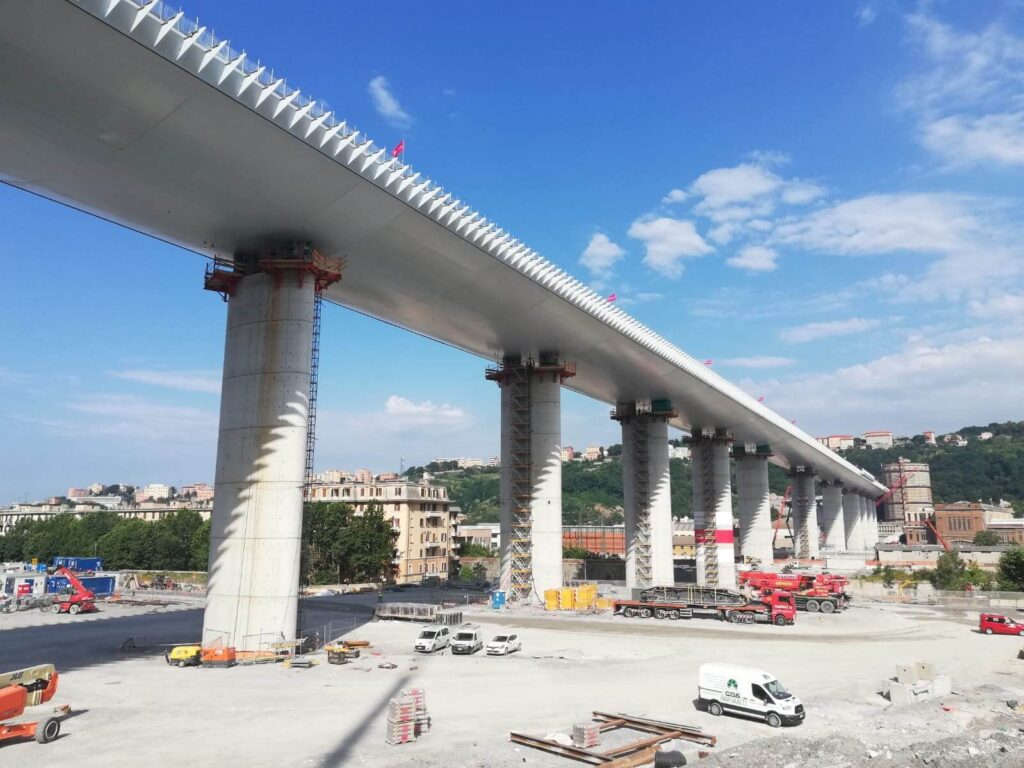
[(518, 381), (709, 540), (642, 502)]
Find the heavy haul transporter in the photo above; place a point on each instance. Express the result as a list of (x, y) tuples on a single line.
[(687, 602)]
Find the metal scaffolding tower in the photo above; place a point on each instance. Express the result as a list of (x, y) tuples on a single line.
[(642, 502), (521, 482), (709, 541)]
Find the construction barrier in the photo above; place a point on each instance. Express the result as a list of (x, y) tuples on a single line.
[(581, 598)]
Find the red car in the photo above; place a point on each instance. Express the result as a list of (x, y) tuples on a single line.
[(996, 624)]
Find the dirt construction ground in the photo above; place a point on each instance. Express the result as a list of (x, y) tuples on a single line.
[(138, 711)]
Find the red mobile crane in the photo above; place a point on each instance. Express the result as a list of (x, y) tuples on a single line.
[(75, 598)]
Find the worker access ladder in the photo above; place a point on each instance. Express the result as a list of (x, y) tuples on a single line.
[(642, 502), (709, 539), (518, 380)]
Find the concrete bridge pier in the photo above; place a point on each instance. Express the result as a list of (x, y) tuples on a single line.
[(854, 531), (869, 523), (712, 508), (531, 474), (256, 524), (805, 515), (647, 494), (754, 507), (832, 515)]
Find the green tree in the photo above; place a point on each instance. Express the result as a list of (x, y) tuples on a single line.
[(199, 548), (949, 571), (479, 571), (987, 539), (575, 553), (472, 549), (1011, 569), (129, 545), (323, 527), (368, 547)]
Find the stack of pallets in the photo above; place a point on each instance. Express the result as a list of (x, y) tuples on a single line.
[(407, 717)]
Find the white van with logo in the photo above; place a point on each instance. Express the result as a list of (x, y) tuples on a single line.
[(748, 692), (432, 638), (467, 639)]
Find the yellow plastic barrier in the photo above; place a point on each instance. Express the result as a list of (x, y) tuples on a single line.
[(550, 599), (566, 598)]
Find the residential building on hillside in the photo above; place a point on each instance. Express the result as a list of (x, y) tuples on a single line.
[(148, 511), (96, 489), (679, 452), (837, 442), (568, 454), (420, 513), (954, 439), (878, 439), (929, 438), (153, 492), (77, 493), (593, 453), (482, 534), (494, 461), (387, 477), (985, 436), (198, 491), (363, 476), (333, 476), (102, 502)]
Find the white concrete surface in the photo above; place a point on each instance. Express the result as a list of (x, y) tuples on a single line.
[(545, 483), (754, 508), (869, 522), (659, 495), (712, 508), (256, 525), (854, 531), (832, 515), (142, 712), (805, 515)]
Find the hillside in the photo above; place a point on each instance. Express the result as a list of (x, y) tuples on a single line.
[(592, 492), (982, 469)]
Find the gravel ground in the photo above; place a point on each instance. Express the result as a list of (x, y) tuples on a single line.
[(139, 711)]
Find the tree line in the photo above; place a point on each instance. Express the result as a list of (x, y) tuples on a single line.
[(179, 541)]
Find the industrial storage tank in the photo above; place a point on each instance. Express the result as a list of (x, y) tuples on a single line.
[(911, 502)]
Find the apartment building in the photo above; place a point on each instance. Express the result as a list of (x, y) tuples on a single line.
[(420, 513)]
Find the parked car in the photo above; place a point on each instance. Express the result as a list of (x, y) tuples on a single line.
[(432, 638), (467, 639), (748, 692), (502, 645), (997, 624)]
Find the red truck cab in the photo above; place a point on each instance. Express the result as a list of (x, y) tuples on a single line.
[(782, 605), (997, 624)]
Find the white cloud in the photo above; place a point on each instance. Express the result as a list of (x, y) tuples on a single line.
[(1007, 306), (674, 196), (759, 361), (131, 417), (188, 381), (645, 297), (423, 414), (769, 157), (740, 184), (600, 255), (824, 330), (755, 258), (877, 224), (668, 241), (866, 14), (386, 104), (723, 233), (798, 192), (888, 390), (966, 140), (968, 99)]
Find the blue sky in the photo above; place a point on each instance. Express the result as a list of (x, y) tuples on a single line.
[(825, 199)]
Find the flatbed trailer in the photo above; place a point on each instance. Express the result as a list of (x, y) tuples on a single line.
[(747, 613)]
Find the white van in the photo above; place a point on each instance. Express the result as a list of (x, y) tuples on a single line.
[(467, 639), (432, 638), (748, 692)]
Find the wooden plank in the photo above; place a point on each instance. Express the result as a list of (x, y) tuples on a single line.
[(634, 761), (554, 748), (689, 732)]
